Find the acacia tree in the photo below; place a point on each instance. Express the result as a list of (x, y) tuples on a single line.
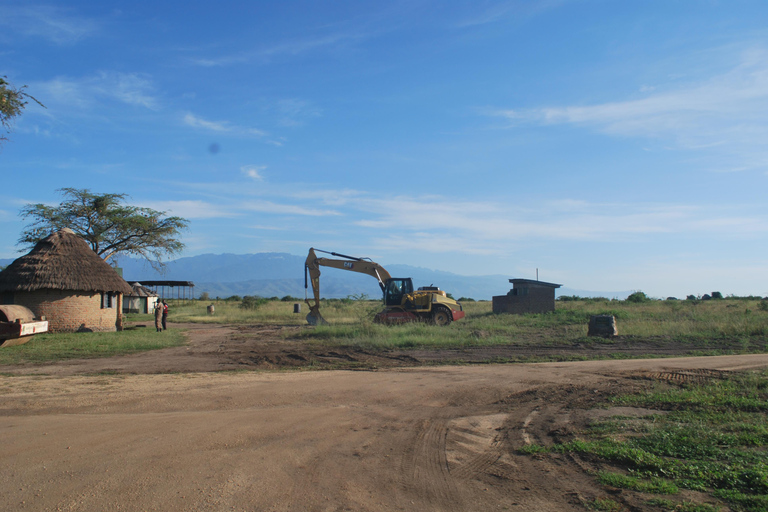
[(12, 102), (107, 224)]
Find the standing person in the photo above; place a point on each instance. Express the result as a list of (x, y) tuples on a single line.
[(165, 314), (158, 317)]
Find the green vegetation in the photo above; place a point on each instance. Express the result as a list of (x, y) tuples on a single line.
[(604, 505), (717, 326), (673, 506), (250, 302), (710, 437), (638, 297), (110, 226), (695, 327), (13, 101), (55, 347)]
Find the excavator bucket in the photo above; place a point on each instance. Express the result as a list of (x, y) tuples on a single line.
[(314, 317)]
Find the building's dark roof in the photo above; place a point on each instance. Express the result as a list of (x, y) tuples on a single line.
[(62, 261), (534, 282), (168, 283)]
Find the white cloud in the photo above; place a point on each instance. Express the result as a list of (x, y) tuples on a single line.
[(286, 209), (78, 94), (378, 221), (50, 22), (485, 224), (727, 112), (192, 209), (288, 47), (509, 9), (254, 171), (295, 112), (219, 126), (198, 122)]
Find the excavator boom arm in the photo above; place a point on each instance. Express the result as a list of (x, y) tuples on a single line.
[(312, 274)]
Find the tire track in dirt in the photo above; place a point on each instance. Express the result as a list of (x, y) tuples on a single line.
[(425, 467), (474, 444), (696, 375)]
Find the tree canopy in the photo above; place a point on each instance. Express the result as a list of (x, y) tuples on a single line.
[(109, 225), (12, 102)]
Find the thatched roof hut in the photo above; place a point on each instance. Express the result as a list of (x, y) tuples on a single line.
[(139, 290), (63, 279), (62, 261)]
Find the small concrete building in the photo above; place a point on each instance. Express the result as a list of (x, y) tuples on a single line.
[(141, 300), (65, 281), (526, 296)]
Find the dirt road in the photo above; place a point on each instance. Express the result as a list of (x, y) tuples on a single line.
[(422, 439)]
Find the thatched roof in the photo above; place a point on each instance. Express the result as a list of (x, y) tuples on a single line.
[(62, 261), (141, 291)]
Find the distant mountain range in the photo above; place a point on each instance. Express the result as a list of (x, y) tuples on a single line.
[(281, 274)]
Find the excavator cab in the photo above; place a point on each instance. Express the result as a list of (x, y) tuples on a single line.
[(395, 289)]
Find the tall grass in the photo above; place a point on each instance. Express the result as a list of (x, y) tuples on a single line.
[(740, 323)]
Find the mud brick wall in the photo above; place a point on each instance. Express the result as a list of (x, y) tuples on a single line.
[(70, 311), (538, 300)]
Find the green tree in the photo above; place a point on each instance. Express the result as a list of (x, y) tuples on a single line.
[(12, 103), (637, 297), (109, 225)]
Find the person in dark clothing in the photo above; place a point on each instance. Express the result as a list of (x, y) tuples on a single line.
[(165, 315)]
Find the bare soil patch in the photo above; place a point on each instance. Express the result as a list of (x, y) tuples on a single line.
[(166, 430)]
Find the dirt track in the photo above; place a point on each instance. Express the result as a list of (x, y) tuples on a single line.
[(396, 439)]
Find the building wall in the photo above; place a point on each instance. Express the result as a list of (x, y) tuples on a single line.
[(537, 300), (144, 305), (70, 311)]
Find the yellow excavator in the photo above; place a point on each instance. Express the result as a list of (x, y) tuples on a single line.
[(401, 302)]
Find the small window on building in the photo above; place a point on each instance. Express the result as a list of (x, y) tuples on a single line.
[(107, 300)]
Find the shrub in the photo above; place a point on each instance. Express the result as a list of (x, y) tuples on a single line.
[(250, 302), (717, 295), (465, 299), (638, 297), (691, 297), (205, 296), (234, 298), (289, 298)]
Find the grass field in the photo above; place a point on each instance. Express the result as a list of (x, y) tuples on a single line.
[(710, 437), (701, 324), (55, 347), (700, 327)]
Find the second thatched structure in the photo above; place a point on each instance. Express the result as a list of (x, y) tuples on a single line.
[(63, 280), (140, 300)]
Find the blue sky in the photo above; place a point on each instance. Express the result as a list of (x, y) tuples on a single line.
[(611, 144)]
